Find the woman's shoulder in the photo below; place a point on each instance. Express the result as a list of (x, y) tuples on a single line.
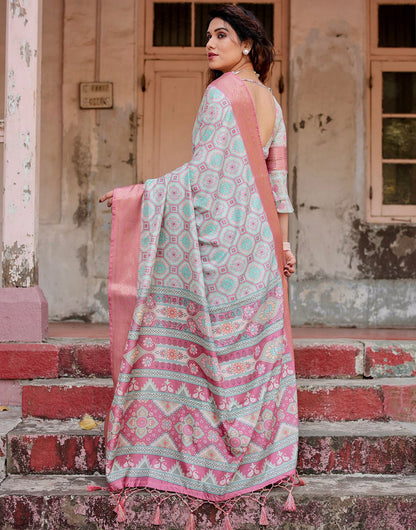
[(279, 111), (213, 96), (213, 92)]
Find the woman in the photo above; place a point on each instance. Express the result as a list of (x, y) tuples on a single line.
[(205, 401)]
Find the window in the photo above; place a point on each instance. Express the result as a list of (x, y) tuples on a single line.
[(184, 24), (392, 185)]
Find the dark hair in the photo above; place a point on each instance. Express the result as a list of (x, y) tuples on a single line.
[(247, 26)]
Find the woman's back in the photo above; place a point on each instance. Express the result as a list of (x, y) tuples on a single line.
[(265, 108)]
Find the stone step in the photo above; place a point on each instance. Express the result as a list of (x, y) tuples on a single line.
[(54, 446), (323, 358), (357, 447), (8, 421), (330, 502), (322, 399), (74, 358), (381, 399), (67, 398)]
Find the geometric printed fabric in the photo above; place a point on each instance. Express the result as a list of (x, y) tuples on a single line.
[(205, 402)]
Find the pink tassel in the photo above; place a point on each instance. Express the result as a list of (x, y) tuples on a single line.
[(157, 521), (95, 488), (263, 517), (120, 511), (227, 524), (190, 525), (300, 482), (289, 505)]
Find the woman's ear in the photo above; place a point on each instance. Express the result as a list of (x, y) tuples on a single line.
[(247, 44)]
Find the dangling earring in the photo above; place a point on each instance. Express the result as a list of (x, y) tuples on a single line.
[(245, 51)]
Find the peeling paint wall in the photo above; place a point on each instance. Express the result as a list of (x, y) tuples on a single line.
[(75, 230), (350, 272), (2, 86), (21, 83)]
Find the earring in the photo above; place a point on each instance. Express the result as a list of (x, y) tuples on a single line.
[(246, 52)]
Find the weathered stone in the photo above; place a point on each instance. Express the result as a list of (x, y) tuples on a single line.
[(339, 399), (28, 361), (390, 359), (329, 502), (8, 421), (84, 360), (357, 447), (324, 399), (67, 398), (328, 358), (53, 446), (400, 402)]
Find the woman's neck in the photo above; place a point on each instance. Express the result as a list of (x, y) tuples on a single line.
[(246, 72)]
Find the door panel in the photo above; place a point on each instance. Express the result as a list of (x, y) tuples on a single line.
[(173, 94)]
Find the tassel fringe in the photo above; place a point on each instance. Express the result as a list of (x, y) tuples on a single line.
[(263, 517), (227, 524), (193, 505), (157, 520), (190, 525), (120, 511), (289, 505)]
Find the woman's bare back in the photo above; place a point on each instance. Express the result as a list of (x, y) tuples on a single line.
[(265, 108)]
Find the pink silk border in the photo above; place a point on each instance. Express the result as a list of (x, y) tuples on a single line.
[(124, 265), (243, 107)]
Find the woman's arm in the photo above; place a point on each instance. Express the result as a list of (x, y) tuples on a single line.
[(277, 167), (290, 260)]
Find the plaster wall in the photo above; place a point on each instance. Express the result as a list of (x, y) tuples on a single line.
[(85, 152), (350, 272)]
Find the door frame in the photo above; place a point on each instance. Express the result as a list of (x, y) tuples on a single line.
[(146, 52)]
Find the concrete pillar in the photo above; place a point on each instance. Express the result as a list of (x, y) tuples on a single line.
[(23, 307)]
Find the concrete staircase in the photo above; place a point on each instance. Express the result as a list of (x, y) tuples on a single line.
[(357, 451)]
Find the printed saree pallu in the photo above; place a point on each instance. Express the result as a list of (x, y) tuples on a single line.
[(205, 400)]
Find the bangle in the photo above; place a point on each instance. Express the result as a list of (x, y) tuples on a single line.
[(286, 245)]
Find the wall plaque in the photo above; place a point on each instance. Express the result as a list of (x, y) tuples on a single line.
[(97, 95)]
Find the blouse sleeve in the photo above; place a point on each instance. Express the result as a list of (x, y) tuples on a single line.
[(277, 166)]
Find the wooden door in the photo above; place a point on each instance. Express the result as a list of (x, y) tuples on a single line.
[(173, 94)]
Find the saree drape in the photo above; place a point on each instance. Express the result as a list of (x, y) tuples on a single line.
[(205, 398)]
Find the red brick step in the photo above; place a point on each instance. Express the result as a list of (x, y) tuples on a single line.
[(52, 446), (28, 361), (357, 447), (322, 399), (314, 359), (55, 446), (67, 398), (390, 359), (348, 400)]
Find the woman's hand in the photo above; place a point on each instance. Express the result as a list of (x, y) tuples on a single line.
[(289, 263), (107, 197)]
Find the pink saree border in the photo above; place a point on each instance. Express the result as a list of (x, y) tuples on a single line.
[(163, 486), (124, 265), (243, 107)]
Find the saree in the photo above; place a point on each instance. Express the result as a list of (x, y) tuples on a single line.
[(205, 400)]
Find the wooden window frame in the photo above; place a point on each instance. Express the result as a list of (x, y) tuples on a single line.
[(383, 60), (278, 84), (279, 18)]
